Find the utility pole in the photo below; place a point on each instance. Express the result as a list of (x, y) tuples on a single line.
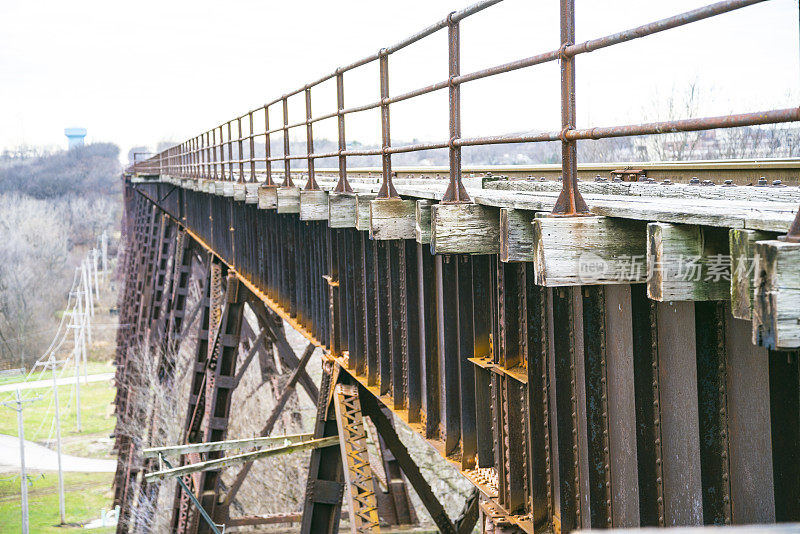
[(52, 364), (76, 353), (104, 251), (95, 255), (89, 310), (87, 284), (84, 351), (17, 405)]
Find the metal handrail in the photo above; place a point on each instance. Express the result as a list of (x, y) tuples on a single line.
[(205, 155)]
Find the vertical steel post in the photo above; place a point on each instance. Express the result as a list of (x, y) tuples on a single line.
[(202, 162), (311, 185), (208, 155), (342, 186), (240, 146), (252, 149), (287, 176), (570, 202), (387, 188), (268, 150), (221, 147), (455, 191), (214, 148), (230, 152), (187, 158)]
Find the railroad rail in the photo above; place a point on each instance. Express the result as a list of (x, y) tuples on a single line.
[(596, 346)]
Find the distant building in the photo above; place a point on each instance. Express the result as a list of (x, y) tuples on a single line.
[(75, 136)]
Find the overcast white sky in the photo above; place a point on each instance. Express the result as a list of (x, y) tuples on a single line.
[(140, 72)]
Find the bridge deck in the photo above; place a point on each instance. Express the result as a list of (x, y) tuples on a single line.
[(569, 399)]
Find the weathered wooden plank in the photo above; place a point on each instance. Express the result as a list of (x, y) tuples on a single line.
[(776, 307), (251, 194), (362, 210), (288, 200), (313, 205), (464, 229), (423, 224), (268, 197), (769, 221), (239, 192), (769, 216), (392, 218), (687, 263), (661, 190), (742, 245), (516, 235), (342, 210), (573, 251)]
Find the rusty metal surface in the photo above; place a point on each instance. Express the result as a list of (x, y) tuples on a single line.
[(619, 351), (579, 406), (678, 409), (748, 425)]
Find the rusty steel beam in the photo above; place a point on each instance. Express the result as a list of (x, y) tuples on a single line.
[(289, 388), (385, 428)]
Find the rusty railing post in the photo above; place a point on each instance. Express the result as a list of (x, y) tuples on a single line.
[(287, 177), (214, 152), (240, 147), (252, 149), (190, 158), (230, 152), (455, 191), (570, 202), (387, 189), (311, 184), (209, 159), (267, 148), (342, 186)]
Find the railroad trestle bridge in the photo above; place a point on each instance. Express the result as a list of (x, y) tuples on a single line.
[(619, 350)]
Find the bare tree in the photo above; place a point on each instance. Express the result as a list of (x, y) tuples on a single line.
[(676, 146)]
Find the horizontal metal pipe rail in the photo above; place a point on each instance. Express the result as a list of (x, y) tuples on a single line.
[(205, 155)]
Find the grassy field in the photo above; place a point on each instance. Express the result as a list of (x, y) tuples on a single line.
[(84, 496), (93, 367), (96, 416), (85, 493)]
